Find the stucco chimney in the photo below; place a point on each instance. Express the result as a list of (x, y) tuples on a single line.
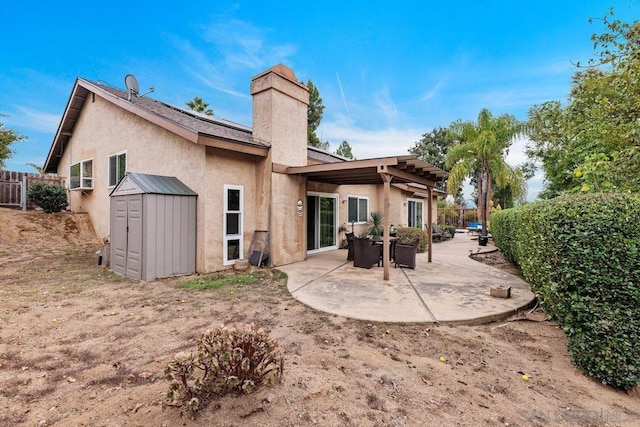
[(280, 114)]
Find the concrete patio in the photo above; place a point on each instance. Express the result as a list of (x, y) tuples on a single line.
[(451, 289)]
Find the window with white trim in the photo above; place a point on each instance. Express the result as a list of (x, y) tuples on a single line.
[(358, 211), (81, 175), (117, 167), (232, 223)]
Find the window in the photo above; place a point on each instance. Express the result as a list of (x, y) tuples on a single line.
[(81, 175), (117, 168), (358, 209), (232, 223)]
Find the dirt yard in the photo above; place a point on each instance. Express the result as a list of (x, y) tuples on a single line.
[(82, 346)]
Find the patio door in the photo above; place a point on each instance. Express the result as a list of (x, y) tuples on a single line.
[(414, 211), (322, 222)]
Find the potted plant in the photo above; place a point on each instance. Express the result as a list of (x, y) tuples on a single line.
[(375, 224)]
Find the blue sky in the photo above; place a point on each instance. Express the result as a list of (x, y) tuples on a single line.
[(387, 71)]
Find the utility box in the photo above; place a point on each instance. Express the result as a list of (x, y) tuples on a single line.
[(153, 227)]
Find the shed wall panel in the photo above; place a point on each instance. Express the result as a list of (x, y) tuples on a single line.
[(118, 235), (150, 237), (169, 236), (183, 256), (134, 238), (161, 236)]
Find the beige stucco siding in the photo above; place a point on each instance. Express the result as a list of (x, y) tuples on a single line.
[(398, 206), (104, 129), (288, 228), (236, 169)]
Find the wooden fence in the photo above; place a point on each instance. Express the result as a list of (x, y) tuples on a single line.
[(14, 186)]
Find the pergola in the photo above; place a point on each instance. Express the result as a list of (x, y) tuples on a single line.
[(385, 170)]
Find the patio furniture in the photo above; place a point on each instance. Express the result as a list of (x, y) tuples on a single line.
[(406, 254), (365, 254), (474, 227), (392, 248), (349, 246), (436, 234)]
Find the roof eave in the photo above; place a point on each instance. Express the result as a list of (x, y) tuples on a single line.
[(232, 145)]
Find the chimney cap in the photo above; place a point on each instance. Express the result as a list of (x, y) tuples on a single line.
[(284, 71), (281, 70)]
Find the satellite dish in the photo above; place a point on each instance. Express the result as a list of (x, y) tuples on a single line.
[(131, 83)]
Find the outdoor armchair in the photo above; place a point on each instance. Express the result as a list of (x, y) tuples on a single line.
[(405, 254), (364, 253), (349, 246), (436, 234)]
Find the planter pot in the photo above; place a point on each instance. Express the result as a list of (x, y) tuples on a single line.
[(241, 265)]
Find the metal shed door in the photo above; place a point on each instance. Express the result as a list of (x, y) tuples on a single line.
[(126, 236)]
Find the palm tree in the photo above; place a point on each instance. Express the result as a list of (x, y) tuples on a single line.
[(479, 150), (40, 169), (200, 106)]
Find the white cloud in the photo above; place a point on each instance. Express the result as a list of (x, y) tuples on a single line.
[(32, 119), (368, 143), (243, 45), (534, 186), (517, 154), (385, 104)]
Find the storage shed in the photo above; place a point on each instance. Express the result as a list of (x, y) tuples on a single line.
[(153, 227)]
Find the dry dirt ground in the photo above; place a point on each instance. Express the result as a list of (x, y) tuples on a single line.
[(82, 346)]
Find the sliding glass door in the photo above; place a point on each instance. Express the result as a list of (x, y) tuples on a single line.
[(322, 221), (414, 211)]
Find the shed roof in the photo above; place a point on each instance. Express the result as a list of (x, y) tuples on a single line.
[(140, 183)]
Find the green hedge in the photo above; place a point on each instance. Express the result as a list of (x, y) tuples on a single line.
[(581, 256)]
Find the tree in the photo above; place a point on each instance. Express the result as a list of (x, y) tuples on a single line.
[(593, 143), (344, 150), (315, 110), (7, 138), (432, 148), (40, 169), (480, 149), (200, 106)]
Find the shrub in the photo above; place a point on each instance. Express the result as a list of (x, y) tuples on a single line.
[(227, 360), (51, 198), (581, 255), (408, 235), (451, 229)]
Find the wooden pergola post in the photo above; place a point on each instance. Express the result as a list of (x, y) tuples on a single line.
[(387, 230), (430, 219)]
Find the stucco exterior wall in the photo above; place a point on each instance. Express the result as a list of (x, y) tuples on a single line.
[(230, 168), (398, 206), (288, 228), (375, 194), (102, 130)]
